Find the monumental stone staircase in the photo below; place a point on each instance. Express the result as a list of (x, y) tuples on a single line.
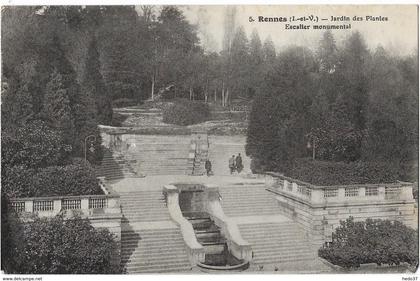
[(248, 200), (150, 243), (154, 251), (114, 166), (144, 206), (280, 244), (164, 155)]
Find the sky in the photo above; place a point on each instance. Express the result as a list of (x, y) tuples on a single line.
[(398, 35)]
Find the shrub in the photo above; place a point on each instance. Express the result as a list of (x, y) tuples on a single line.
[(373, 241), (73, 179), (118, 119), (186, 113), (336, 173), (33, 145), (63, 246)]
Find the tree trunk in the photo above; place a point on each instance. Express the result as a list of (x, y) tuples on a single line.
[(215, 96), (227, 97), (223, 94), (190, 93), (153, 87), (206, 92)]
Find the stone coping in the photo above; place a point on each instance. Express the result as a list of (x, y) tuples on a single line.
[(60, 197), (279, 175)]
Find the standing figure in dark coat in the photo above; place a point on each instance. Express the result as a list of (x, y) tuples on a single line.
[(232, 164), (239, 165), (207, 165)]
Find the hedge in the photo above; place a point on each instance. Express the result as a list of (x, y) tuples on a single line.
[(185, 112), (73, 179), (341, 173), (371, 241)]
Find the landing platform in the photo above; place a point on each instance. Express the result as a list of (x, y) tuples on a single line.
[(158, 181)]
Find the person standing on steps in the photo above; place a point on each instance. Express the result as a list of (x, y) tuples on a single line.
[(207, 165), (239, 165), (232, 164)]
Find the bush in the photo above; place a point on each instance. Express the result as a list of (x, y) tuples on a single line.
[(373, 241), (63, 246), (340, 173), (185, 112), (118, 119), (33, 145), (73, 179)]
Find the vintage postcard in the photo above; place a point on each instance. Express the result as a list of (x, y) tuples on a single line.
[(194, 139)]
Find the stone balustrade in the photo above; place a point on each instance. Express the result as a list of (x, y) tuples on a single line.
[(51, 206), (315, 195), (319, 209), (88, 205)]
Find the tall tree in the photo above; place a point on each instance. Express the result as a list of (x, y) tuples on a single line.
[(269, 51), (240, 65), (57, 109), (352, 70), (278, 121), (255, 68), (94, 85)]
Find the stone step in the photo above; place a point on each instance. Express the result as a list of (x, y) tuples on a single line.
[(159, 257), (148, 219), (271, 260), (162, 243), (148, 237), (156, 265), (152, 248), (182, 267), (258, 248), (151, 232)]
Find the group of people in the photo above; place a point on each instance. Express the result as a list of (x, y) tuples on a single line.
[(235, 164)]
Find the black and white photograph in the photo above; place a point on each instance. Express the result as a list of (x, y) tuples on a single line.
[(209, 139)]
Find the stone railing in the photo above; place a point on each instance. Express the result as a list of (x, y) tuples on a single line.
[(87, 205), (240, 248), (315, 195), (195, 250)]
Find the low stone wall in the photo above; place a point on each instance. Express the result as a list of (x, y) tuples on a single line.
[(194, 249), (319, 209)]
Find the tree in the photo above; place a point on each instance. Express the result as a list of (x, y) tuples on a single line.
[(65, 246), (240, 65), (94, 85), (33, 145), (269, 51), (57, 108), (122, 68), (352, 72), (12, 249), (278, 121), (255, 68), (391, 118)]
